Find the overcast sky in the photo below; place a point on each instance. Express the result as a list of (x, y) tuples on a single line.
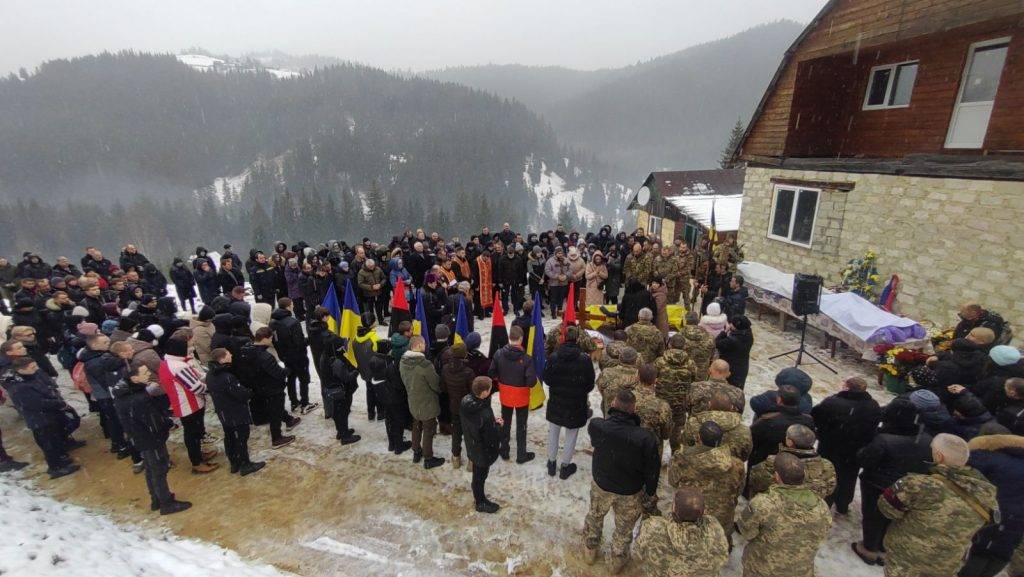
[(404, 34)]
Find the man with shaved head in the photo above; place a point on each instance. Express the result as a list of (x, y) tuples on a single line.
[(702, 391), (712, 468), (935, 515), (784, 526), (689, 544), (819, 474)]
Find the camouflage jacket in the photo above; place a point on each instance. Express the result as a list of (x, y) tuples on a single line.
[(639, 268), (701, 348), (686, 262), (675, 374), (737, 435), (655, 414), (554, 338), (692, 549), (610, 357), (701, 393), (610, 382), (932, 525), (819, 473), (647, 340), (784, 528), (667, 269), (716, 472)]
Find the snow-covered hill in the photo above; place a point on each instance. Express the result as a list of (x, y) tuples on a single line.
[(207, 63), (606, 205)]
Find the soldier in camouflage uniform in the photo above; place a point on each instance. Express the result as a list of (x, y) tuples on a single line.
[(934, 516), (699, 345), (666, 267), (610, 358), (554, 338), (785, 526), (638, 265), (675, 374), (623, 376), (685, 259), (728, 253), (819, 474), (655, 414), (710, 467), (646, 338), (690, 544), (702, 391), (736, 434)]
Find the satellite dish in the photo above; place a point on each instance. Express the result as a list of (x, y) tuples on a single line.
[(643, 196)]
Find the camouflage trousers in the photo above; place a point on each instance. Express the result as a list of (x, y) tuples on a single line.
[(679, 415), (897, 567), (627, 510)]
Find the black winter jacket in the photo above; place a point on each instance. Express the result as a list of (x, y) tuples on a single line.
[(481, 434), (511, 366), (290, 341), (626, 456), (183, 279), (569, 374), (147, 425), (894, 452), (37, 398), (769, 430), (229, 279), (230, 398), (263, 279), (963, 365), (260, 371), (846, 422), (734, 348)]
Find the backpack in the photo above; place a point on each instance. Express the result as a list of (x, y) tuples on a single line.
[(79, 379)]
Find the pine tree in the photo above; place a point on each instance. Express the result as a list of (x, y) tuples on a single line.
[(350, 216), (376, 205), (735, 137), (484, 216), (260, 225), (566, 216)]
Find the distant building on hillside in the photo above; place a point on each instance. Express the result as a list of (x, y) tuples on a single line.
[(897, 126), (679, 203)]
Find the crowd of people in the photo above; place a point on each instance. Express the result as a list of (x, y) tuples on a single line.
[(940, 468)]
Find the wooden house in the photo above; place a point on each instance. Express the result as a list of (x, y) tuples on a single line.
[(678, 203)]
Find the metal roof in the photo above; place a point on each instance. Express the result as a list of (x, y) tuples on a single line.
[(698, 207)]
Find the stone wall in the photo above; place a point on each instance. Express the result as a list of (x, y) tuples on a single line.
[(949, 240)]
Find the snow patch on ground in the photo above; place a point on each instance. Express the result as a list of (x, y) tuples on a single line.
[(553, 188), (47, 538), (205, 63)]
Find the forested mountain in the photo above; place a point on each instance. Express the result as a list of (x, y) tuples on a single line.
[(329, 153), (672, 112)]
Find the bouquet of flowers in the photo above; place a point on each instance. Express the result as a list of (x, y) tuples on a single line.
[(942, 339), (860, 276), (898, 361)]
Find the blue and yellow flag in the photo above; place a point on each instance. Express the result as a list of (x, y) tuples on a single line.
[(461, 322), (349, 327), (535, 348), (331, 304), (419, 322)]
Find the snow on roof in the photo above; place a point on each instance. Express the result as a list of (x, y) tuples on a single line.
[(199, 61), (698, 207)]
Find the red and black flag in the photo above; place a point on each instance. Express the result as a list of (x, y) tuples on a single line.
[(499, 333), (399, 307)]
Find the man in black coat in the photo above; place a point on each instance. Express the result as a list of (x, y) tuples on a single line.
[(973, 316), (228, 276), (93, 261), (231, 401), (569, 374), (45, 412), (769, 430), (626, 462), (292, 347), (418, 263), (846, 422), (263, 279), (733, 346), (258, 370), (482, 434)]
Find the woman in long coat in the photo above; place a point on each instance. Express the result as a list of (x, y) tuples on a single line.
[(596, 274)]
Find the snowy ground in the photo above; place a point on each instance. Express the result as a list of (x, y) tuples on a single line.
[(322, 509)]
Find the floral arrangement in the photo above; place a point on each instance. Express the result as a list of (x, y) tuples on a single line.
[(942, 339), (898, 361), (860, 276)]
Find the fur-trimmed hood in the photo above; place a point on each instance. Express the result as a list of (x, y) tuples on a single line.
[(996, 442)]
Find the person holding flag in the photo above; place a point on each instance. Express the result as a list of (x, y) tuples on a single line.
[(461, 320), (535, 348), (513, 369), (399, 306)]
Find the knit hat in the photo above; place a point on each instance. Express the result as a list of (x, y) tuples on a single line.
[(794, 377), (56, 281), (429, 277), (148, 299), (740, 322), (176, 347), (146, 336), (1004, 355), (156, 330), (442, 332), (923, 377), (459, 351), (207, 314), (714, 309), (925, 401), (343, 264), (79, 311), (87, 329), (108, 326), (628, 355), (473, 341)]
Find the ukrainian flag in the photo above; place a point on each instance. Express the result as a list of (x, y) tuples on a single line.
[(535, 348), (419, 322), (461, 322), (350, 323), (331, 304)]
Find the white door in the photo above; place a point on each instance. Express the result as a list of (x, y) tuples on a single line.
[(977, 94)]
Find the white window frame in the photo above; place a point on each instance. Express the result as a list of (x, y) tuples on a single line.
[(889, 87), (792, 217), (950, 143), (654, 222)]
